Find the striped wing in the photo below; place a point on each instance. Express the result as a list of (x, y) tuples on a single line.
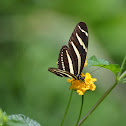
[(72, 58), (62, 73), (65, 60)]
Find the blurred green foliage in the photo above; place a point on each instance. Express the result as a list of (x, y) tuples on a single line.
[(31, 35)]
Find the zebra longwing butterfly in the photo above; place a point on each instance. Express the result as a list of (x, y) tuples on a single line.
[(72, 58)]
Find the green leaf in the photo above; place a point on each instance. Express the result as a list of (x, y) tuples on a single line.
[(3, 117), (93, 61), (20, 120), (113, 67)]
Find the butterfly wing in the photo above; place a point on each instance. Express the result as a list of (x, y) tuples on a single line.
[(78, 45), (61, 73), (72, 58), (65, 61)]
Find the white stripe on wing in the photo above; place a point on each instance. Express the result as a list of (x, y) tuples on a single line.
[(81, 42), (78, 56), (83, 31), (70, 63)]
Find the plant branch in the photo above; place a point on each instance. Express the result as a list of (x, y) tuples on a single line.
[(67, 108), (123, 63), (97, 104), (122, 75), (80, 109)]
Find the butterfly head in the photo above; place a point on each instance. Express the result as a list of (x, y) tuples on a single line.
[(79, 77)]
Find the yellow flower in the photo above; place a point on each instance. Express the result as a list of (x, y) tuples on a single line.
[(81, 86), (70, 80)]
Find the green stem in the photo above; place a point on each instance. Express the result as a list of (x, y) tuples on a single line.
[(67, 108), (80, 109), (122, 75), (123, 63), (97, 104)]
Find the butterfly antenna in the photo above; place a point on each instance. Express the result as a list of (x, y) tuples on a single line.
[(97, 68)]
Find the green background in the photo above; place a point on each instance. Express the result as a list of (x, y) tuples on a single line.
[(32, 33)]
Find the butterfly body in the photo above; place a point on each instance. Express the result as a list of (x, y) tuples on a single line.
[(72, 58)]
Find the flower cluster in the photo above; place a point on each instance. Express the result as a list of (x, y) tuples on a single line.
[(81, 86)]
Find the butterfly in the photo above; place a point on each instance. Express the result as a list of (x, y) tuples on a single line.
[(72, 57)]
